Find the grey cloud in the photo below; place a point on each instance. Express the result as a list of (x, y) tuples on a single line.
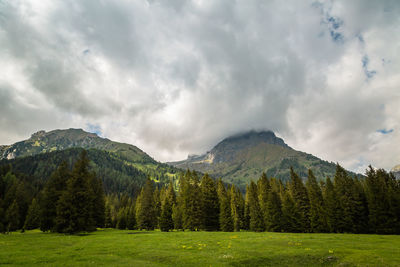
[(176, 77)]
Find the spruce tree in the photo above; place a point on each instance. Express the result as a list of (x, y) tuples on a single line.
[(256, 218), (12, 217), (331, 206), (290, 214), (145, 207), (98, 199), (299, 195), (263, 188), (210, 204), (273, 212), (237, 208), (51, 195), (32, 220), (75, 206), (107, 217), (122, 219), (225, 217), (166, 222), (192, 213), (344, 188), (131, 218), (317, 216)]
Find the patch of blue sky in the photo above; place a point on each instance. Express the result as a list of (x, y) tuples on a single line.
[(385, 131), (365, 63), (94, 128)]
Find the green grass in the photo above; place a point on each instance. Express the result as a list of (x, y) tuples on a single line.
[(136, 248)]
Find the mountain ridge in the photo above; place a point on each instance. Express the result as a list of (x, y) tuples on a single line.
[(243, 157)]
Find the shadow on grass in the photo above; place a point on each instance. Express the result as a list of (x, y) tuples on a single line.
[(295, 260)]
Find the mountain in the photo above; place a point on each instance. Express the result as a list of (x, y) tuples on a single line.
[(396, 171), (42, 142), (243, 157), (58, 140)]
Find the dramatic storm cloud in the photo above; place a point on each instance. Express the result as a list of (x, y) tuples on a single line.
[(175, 77)]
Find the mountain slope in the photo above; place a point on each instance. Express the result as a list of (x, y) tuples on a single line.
[(241, 158), (117, 176), (45, 142)]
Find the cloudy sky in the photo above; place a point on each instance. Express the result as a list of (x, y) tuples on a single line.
[(176, 77)]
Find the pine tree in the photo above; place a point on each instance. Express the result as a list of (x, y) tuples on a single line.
[(51, 195), (210, 204), (299, 195), (157, 207), (246, 214), (192, 215), (237, 208), (131, 218), (108, 218), (273, 212), (12, 217), (122, 219), (263, 188), (317, 216), (256, 218), (290, 214), (145, 211), (344, 185), (166, 222), (383, 201), (32, 220), (330, 206), (225, 217), (75, 206), (98, 200)]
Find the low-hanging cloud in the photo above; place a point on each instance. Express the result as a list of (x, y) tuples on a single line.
[(176, 77)]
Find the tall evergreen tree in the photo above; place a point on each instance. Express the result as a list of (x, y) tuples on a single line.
[(145, 210), (75, 206), (263, 189), (317, 216), (299, 194), (50, 196), (273, 212), (210, 204), (166, 222), (225, 217), (237, 208), (331, 206), (256, 218), (131, 218), (192, 213), (122, 218), (12, 217), (290, 213), (32, 220), (98, 200)]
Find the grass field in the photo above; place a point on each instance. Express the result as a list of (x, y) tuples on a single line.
[(136, 248)]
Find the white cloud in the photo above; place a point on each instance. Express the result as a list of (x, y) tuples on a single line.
[(176, 77)]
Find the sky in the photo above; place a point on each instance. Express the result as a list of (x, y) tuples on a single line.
[(176, 77)]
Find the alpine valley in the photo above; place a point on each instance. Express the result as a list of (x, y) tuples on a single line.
[(237, 159)]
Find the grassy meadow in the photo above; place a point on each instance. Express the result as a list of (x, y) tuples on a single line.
[(140, 248)]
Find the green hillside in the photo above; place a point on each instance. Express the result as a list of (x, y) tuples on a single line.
[(58, 140), (117, 174), (241, 158)]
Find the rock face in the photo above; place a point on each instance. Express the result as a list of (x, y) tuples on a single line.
[(396, 171), (243, 157)]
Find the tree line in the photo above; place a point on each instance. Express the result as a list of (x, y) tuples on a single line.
[(73, 200), (345, 204)]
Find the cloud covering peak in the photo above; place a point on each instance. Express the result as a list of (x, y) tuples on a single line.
[(176, 77)]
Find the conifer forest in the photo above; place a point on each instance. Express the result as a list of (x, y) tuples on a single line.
[(73, 200)]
